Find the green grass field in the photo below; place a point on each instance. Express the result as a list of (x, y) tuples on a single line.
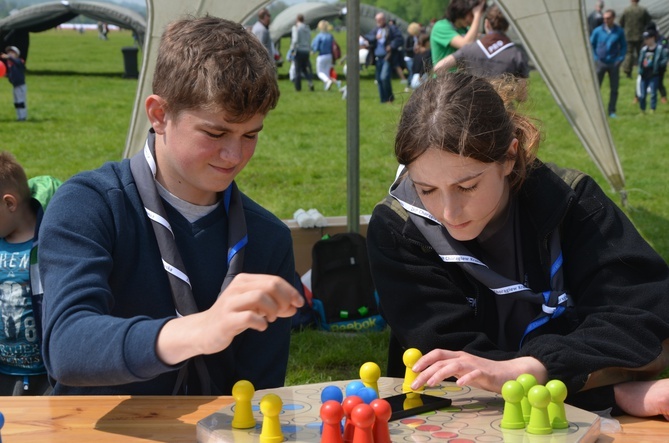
[(79, 109)]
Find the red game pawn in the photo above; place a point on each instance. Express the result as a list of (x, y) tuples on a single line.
[(363, 418), (350, 402), (331, 413), (382, 411)]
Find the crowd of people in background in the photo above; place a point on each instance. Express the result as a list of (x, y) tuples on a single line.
[(634, 44), (472, 37)]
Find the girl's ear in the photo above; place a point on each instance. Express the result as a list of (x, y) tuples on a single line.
[(156, 112), (511, 156)]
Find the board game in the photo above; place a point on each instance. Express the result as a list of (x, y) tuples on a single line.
[(473, 417)]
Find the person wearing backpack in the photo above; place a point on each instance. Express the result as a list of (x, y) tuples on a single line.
[(23, 202), (494, 264)]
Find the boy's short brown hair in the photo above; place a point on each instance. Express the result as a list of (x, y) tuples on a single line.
[(216, 65), (13, 178)]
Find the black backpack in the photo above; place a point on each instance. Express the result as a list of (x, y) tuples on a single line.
[(341, 282)]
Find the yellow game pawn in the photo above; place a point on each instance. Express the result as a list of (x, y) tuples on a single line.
[(369, 374), (243, 391), (411, 401), (270, 406), (410, 357)]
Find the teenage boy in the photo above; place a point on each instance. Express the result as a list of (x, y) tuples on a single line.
[(160, 276)]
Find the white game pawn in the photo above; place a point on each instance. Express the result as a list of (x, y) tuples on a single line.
[(243, 391)]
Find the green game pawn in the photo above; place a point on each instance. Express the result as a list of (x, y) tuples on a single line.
[(527, 380), (513, 393), (540, 423), (556, 411)]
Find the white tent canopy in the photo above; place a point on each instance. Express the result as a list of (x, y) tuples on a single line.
[(554, 34), (15, 28)]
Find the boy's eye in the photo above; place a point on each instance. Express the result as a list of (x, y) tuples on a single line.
[(251, 136), (212, 135)]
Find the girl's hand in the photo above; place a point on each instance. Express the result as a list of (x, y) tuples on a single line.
[(470, 370)]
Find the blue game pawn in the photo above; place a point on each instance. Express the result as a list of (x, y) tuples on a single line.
[(329, 393), (353, 387), (2, 423), (332, 393), (367, 394)]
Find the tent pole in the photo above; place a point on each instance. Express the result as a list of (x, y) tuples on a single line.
[(353, 114)]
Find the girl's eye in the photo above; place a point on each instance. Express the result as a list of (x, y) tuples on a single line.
[(426, 191), (470, 189)]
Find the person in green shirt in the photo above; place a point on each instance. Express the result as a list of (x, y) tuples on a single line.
[(460, 25)]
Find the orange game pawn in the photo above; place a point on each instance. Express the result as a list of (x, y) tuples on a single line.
[(350, 402), (382, 411), (331, 413), (363, 418)]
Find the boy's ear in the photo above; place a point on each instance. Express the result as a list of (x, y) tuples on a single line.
[(156, 112), (10, 201)]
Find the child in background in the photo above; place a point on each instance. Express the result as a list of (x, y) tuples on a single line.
[(16, 74), (21, 367), (652, 59)]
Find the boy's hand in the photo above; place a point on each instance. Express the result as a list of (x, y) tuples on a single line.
[(251, 301)]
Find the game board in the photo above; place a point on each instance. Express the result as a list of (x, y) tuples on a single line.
[(473, 417)]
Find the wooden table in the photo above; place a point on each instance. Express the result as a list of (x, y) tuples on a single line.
[(101, 419)]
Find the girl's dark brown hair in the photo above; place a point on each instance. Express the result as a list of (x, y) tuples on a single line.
[(468, 116)]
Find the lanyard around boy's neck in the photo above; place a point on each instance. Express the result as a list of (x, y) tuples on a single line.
[(553, 301), (143, 167)]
